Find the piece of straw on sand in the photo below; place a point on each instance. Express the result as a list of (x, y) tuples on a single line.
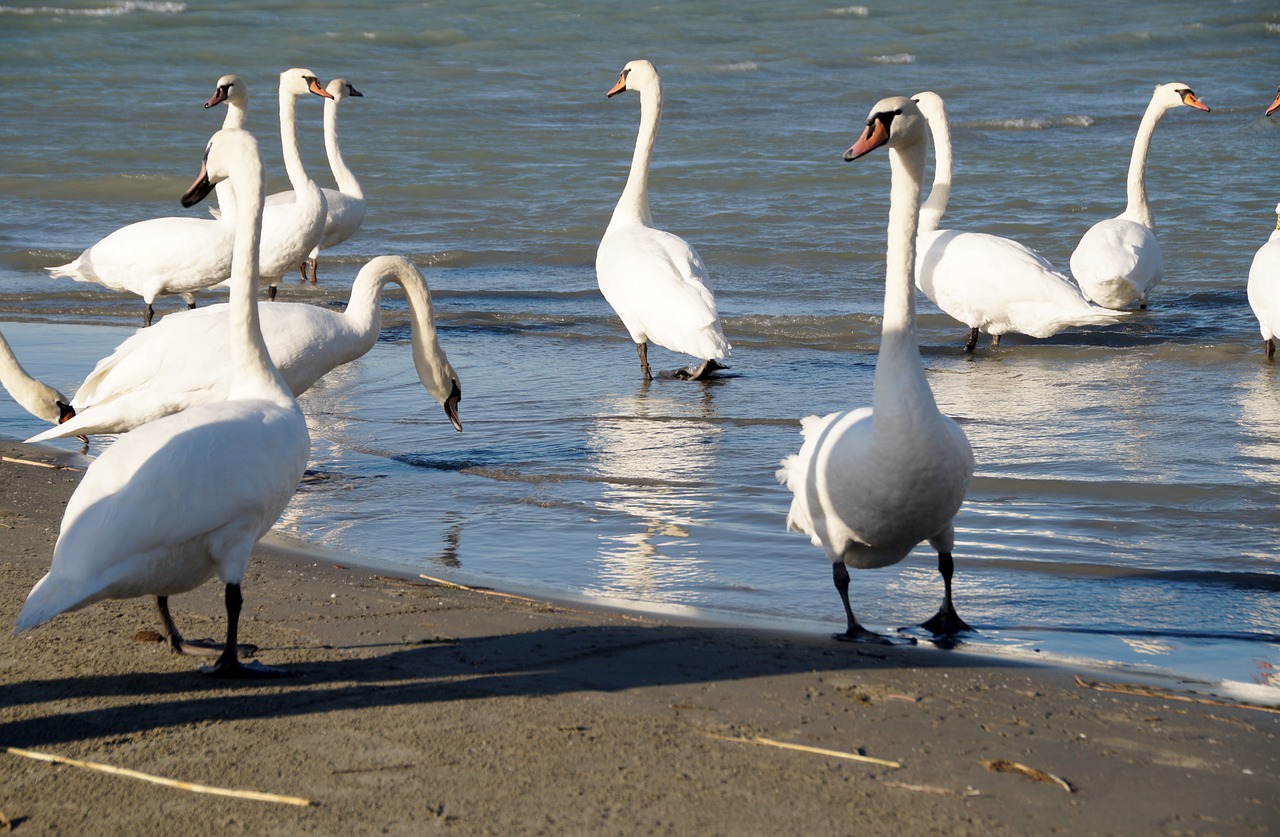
[(769, 742), (159, 780)]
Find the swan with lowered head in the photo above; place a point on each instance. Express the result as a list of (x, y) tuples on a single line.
[(345, 205), (656, 281), (179, 363), (36, 397), (1118, 261), (991, 284), (181, 499), (871, 484), (1264, 284)]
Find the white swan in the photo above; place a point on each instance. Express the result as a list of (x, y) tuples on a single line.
[(654, 280), (181, 499), (36, 397), (991, 284), (346, 204), (1118, 261), (179, 362), (870, 484), (1264, 283), (292, 229), (231, 90)]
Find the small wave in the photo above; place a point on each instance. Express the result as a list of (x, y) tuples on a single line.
[(1271, 27), (854, 11), (103, 11), (740, 67), (1079, 121), (899, 58)]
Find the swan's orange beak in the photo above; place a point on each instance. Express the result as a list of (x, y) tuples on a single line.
[(1189, 99), (619, 87), (315, 88), (201, 188), (1275, 106), (876, 135), (219, 96), (451, 406)]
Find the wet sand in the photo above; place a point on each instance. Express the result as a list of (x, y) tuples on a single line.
[(415, 707)]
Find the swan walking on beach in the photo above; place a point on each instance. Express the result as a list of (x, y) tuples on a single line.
[(345, 205), (1264, 284), (181, 499), (1118, 261), (991, 284), (180, 362), (36, 397), (870, 484), (654, 280)]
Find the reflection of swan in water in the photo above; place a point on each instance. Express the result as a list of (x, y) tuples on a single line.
[(653, 454), (1259, 446)]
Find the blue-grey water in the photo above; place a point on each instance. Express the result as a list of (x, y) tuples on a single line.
[(1125, 504)]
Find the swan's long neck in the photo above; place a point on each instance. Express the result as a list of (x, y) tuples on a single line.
[(254, 375), (289, 143), (237, 113), (936, 204), (36, 397), (1137, 208), (634, 203), (346, 179), (900, 385)]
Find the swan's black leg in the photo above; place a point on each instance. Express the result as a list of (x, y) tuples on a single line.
[(302, 271), (148, 314), (973, 340), (312, 263), (854, 632), (995, 340), (1270, 346), (642, 350), (192, 647), (271, 293), (946, 621), (228, 664)]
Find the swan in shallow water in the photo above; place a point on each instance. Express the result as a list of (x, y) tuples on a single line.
[(1118, 261), (1264, 284), (181, 499), (179, 362), (346, 204), (993, 285), (869, 484), (654, 280)]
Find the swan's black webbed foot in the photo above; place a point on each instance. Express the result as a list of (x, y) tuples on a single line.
[(228, 667), (700, 372), (209, 648), (946, 623), (862, 636)]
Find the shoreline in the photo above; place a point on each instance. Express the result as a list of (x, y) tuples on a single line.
[(414, 704)]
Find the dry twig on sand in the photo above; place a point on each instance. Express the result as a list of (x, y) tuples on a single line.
[(769, 742), (1165, 694), (159, 780), (1003, 766)]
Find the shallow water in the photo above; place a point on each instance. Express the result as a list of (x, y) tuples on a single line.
[(1124, 508)]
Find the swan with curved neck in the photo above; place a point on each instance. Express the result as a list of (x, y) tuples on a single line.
[(991, 284), (1118, 261), (178, 363), (36, 397), (345, 205), (871, 484), (179, 500), (654, 280)]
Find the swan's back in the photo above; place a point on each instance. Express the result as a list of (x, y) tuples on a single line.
[(1117, 262)]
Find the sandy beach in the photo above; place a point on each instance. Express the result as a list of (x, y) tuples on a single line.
[(416, 707)]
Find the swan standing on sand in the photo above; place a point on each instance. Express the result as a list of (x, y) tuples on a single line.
[(179, 362), (346, 204), (181, 499), (654, 280), (870, 484), (1118, 261), (37, 398), (1264, 284), (991, 284)]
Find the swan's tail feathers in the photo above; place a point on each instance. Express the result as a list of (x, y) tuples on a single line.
[(71, 270), (47, 599)]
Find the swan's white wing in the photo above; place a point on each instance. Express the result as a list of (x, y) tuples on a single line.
[(161, 255), (1264, 287)]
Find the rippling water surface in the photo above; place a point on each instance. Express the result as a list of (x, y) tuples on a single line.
[(1124, 508)]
